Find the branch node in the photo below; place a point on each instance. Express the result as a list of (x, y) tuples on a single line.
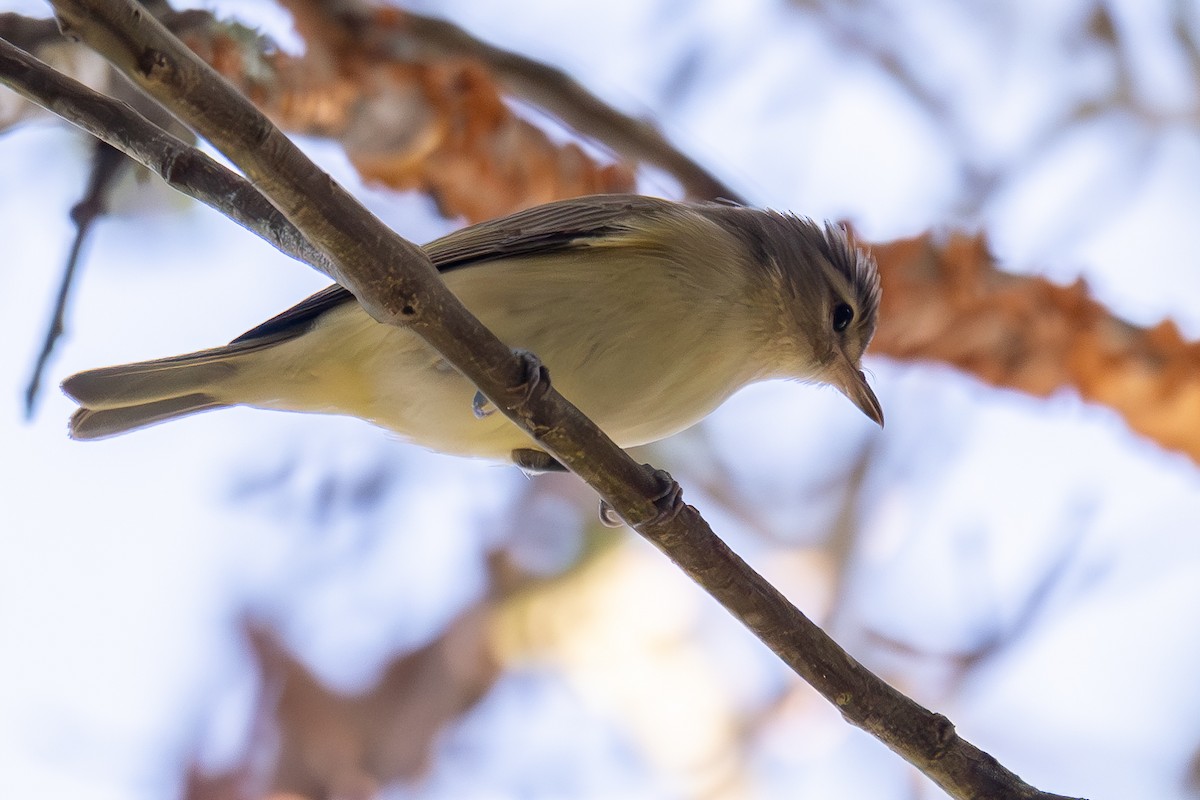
[(944, 736)]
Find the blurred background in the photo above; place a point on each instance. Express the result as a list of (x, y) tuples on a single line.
[(247, 603)]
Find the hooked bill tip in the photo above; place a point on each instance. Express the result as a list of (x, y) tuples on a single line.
[(866, 400), (853, 383), (870, 405)]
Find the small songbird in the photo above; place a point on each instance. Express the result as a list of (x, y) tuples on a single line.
[(648, 314)]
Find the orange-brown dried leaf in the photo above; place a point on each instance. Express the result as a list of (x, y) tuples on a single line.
[(946, 301), (439, 126)]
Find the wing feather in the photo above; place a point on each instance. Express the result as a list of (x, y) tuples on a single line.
[(556, 226)]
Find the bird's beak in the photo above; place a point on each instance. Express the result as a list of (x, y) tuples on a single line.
[(851, 382)]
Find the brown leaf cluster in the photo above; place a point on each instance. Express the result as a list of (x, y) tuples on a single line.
[(946, 301), (438, 126)]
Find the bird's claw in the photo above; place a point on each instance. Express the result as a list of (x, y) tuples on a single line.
[(482, 406), (608, 515), (668, 502), (535, 378)]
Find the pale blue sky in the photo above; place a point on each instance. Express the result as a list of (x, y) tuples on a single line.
[(1038, 537)]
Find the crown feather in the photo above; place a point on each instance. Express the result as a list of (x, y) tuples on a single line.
[(800, 251)]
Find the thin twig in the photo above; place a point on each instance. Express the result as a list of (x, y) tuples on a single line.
[(182, 166), (107, 166)]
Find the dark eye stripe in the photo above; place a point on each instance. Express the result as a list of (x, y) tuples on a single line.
[(843, 315)]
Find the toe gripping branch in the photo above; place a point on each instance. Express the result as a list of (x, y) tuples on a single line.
[(535, 380), (536, 462), (668, 501), (668, 498)]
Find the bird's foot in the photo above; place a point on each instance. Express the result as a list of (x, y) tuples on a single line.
[(534, 380), (668, 501), (535, 377), (481, 406), (535, 462)]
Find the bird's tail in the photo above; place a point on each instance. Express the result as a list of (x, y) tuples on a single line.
[(118, 399)]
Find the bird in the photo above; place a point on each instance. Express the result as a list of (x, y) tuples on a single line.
[(648, 313)]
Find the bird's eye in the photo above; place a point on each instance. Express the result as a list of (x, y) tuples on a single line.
[(843, 315)]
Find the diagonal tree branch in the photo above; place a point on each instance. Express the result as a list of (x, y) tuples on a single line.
[(396, 284)]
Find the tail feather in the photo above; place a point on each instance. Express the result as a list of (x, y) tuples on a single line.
[(148, 381), (88, 424), (130, 396)]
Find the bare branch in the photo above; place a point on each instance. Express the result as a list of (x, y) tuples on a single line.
[(107, 164), (182, 166)]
